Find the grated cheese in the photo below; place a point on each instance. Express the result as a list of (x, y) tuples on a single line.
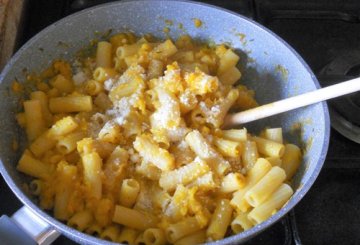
[(108, 84), (79, 78)]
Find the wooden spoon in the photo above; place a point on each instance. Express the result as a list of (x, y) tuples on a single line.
[(292, 103)]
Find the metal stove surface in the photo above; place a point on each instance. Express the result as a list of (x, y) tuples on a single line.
[(321, 31)]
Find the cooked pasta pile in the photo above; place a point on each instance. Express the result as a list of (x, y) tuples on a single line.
[(127, 144)]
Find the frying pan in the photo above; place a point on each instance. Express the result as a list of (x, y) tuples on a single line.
[(269, 66)]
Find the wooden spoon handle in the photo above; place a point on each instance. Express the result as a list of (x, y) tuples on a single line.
[(291, 103)]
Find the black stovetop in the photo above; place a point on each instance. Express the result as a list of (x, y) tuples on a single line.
[(319, 30)]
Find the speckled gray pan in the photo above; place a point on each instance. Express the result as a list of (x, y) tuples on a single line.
[(270, 67)]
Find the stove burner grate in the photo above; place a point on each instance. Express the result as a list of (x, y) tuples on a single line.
[(344, 111)]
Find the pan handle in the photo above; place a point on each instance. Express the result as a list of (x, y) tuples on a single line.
[(25, 227)]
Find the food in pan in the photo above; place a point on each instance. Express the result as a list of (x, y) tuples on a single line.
[(126, 144)]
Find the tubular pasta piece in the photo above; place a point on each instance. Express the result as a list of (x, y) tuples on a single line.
[(133, 218), (184, 175), (275, 202), (291, 160), (151, 152), (206, 152)]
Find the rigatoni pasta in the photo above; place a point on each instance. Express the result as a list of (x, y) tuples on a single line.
[(81, 220), (133, 218), (205, 151), (241, 223), (151, 152), (291, 160), (195, 238), (260, 169), (129, 191), (43, 98), (274, 134), (127, 236), (70, 104), (110, 233), (269, 148), (250, 155), (103, 54), (35, 121), (33, 167), (92, 165), (265, 187), (181, 229), (94, 230), (276, 201), (62, 84), (220, 220), (183, 175), (42, 144), (67, 174), (154, 236), (232, 182), (130, 148)]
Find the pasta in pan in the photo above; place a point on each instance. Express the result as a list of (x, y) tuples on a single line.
[(130, 147)]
